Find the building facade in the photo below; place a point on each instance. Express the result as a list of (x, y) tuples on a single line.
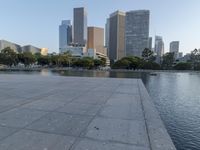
[(136, 32), (180, 55), (65, 35), (44, 51), (30, 48), (159, 48), (97, 55), (150, 43), (96, 39), (174, 48), (107, 26), (116, 36), (80, 26), (4, 44), (76, 51)]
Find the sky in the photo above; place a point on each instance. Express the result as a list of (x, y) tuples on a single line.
[(36, 22)]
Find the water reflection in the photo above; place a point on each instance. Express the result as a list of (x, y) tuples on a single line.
[(110, 74), (177, 97)]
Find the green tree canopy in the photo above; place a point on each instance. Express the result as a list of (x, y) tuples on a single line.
[(147, 54), (26, 58), (168, 60), (129, 62), (8, 57), (87, 62), (183, 66), (43, 60), (195, 59), (150, 65)]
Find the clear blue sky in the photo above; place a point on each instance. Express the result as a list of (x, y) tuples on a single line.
[(36, 21)]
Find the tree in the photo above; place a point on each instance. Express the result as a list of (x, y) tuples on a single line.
[(134, 62), (26, 58), (65, 59), (129, 62), (77, 62), (54, 60), (121, 64), (87, 62), (183, 66), (147, 54), (150, 65), (43, 60), (168, 60), (37, 55), (8, 57), (97, 63), (103, 60), (195, 59)]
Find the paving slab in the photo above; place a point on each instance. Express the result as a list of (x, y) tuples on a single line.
[(6, 107), (45, 105), (124, 99), (97, 145), (14, 101), (61, 123), (95, 98), (128, 89), (117, 130), (6, 131), (78, 113), (127, 112), (31, 140), (63, 96), (80, 109), (20, 117)]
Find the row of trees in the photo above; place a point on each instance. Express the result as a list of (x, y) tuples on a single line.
[(192, 64), (10, 58), (148, 61), (168, 62), (132, 62)]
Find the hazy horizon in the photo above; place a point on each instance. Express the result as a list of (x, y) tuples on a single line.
[(36, 22)]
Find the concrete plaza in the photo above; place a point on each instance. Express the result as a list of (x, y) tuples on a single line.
[(73, 113)]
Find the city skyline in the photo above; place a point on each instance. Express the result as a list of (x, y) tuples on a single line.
[(40, 27)]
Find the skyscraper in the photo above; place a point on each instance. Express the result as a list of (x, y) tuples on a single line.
[(150, 43), (107, 26), (174, 48), (159, 48), (80, 26), (65, 35), (96, 39), (116, 35), (136, 32)]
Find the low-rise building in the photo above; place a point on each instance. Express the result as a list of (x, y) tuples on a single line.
[(18, 49), (30, 48), (44, 51), (97, 55), (3, 44), (75, 51)]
